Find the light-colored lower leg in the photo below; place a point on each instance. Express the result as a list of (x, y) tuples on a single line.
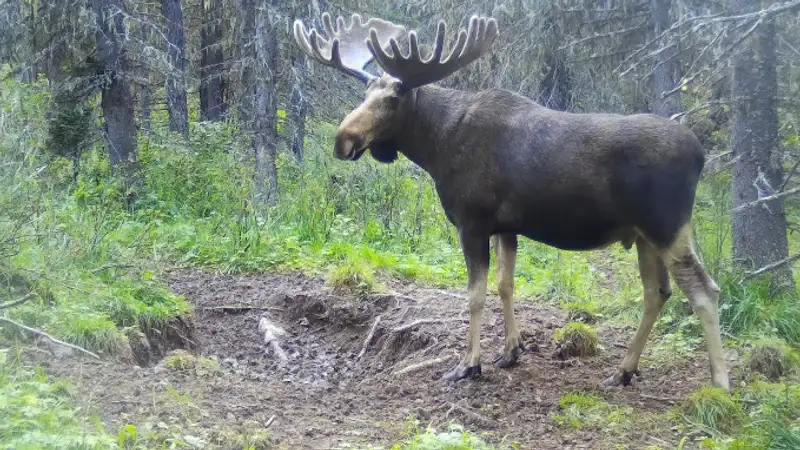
[(506, 245), (477, 300), (703, 293), (476, 254), (656, 287)]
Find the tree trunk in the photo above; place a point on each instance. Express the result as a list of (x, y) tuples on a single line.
[(116, 102), (265, 118), (176, 84), (212, 82), (299, 107), (759, 233), (665, 72)]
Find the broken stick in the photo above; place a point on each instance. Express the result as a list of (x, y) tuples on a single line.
[(271, 333), (422, 365), (419, 322), (369, 338), (48, 337)]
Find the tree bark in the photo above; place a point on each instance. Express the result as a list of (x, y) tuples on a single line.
[(257, 106), (212, 81), (116, 101), (176, 78), (299, 109), (759, 233), (666, 70)]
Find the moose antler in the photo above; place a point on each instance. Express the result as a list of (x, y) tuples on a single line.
[(344, 46), (413, 71)]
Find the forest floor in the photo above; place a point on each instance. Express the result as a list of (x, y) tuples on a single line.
[(325, 396)]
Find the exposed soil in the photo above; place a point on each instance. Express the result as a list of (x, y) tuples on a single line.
[(324, 395)]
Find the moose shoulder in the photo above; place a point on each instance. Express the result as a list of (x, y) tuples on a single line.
[(505, 166)]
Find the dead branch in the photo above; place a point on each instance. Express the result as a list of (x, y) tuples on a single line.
[(422, 365), (271, 333), (771, 266), (369, 338), (767, 198), (238, 308), (269, 421), (48, 337), (705, 105), (468, 412), (660, 399), (419, 322), (24, 299)]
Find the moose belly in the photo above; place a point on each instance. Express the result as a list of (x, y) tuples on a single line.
[(566, 228)]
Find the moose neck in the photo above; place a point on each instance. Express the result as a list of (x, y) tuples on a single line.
[(431, 119)]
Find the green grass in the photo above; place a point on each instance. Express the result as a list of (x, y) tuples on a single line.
[(581, 410), (577, 339), (39, 413)]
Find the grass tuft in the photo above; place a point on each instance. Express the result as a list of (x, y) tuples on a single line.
[(353, 278), (576, 339), (580, 410), (182, 360), (772, 358), (714, 410)]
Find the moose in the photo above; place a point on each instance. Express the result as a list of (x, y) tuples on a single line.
[(505, 166)]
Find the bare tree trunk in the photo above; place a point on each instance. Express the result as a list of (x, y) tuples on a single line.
[(759, 232), (176, 78), (265, 118), (666, 70), (299, 109), (212, 82), (144, 88), (116, 102)]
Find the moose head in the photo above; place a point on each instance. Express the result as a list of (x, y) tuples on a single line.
[(349, 49)]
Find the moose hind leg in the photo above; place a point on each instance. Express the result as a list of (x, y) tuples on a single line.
[(506, 247), (703, 293), (476, 254), (657, 290)]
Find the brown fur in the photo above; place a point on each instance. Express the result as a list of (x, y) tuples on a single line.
[(504, 165)]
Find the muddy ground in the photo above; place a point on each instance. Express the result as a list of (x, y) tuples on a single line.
[(324, 396)]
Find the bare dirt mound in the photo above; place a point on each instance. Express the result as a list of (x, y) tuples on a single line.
[(332, 388)]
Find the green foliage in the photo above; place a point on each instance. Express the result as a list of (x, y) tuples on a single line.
[(581, 311), (182, 360), (580, 410), (353, 278), (455, 438), (577, 339), (714, 410), (38, 413)]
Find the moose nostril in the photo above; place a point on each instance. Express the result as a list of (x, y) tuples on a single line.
[(347, 144)]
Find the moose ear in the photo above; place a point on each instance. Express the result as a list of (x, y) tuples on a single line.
[(384, 151)]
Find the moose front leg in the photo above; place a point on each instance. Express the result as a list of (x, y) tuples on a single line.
[(506, 248), (476, 254)]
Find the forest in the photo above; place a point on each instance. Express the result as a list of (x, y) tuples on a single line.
[(186, 261)]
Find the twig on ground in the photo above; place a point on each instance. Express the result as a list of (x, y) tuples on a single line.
[(419, 322), (239, 307), (369, 338), (422, 365), (48, 337), (271, 333), (22, 300), (269, 421), (772, 266), (660, 399), (469, 412)]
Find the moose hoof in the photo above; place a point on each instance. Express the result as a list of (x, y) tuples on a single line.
[(510, 356), (461, 372), (621, 378)]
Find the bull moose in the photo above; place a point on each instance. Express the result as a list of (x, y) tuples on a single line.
[(505, 166)]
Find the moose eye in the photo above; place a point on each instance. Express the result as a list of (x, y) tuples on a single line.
[(393, 101)]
